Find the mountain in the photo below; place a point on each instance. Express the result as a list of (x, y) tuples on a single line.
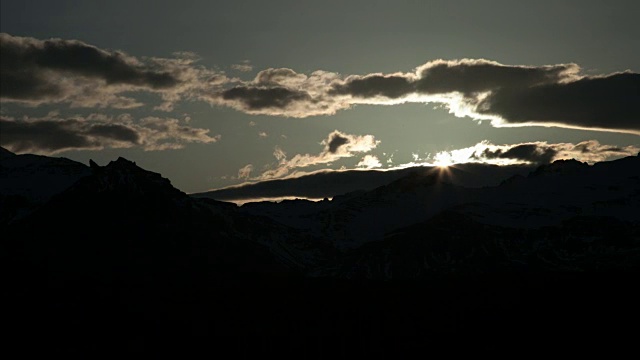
[(127, 210), (121, 260), (27, 181), (327, 184)]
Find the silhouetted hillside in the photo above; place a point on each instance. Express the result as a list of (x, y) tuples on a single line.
[(123, 261)]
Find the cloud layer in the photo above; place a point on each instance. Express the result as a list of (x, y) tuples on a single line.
[(53, 134), (50, 71), (552, 95)]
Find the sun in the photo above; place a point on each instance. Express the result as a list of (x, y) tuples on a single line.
[(443, 159)]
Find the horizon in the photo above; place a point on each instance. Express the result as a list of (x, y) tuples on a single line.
[(352, 181)]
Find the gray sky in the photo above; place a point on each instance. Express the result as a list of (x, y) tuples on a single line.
[(200, 117)]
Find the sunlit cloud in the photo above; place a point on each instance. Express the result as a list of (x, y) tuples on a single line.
[(506, 95), (337, 145), (369, 162), (245, 171), (540, 152)]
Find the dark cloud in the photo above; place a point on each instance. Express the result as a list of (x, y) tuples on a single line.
[(257, 98), (471, 76), (28, 66), (59, 135), (481, 89), (281, 92), (47, 71), (370, 86), (590, 151), (532, 153), (41, 71), (52, 135), (336, 140), (114, 131), (609, 102)]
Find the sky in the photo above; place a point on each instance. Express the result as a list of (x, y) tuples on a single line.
[(217, 93)]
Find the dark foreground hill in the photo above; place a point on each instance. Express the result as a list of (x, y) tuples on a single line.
[(122, 262)]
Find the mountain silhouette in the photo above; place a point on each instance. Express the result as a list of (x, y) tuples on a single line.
[(120, 259), (28, 181)]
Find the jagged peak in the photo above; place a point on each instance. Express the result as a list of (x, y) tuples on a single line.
[(121, 162), (123, 175)]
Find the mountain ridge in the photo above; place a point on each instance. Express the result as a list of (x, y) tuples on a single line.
[(122, 254)]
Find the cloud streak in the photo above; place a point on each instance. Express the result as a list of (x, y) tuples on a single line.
[(53, 134), (337, 145)]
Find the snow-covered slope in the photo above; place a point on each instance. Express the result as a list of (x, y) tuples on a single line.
[(546, 196), (561, 190)]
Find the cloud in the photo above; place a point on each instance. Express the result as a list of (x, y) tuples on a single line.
[(590, 151), (337, 145), (607, 102), (507, 95), (53, 134), (36, 71), (243, 66), (335, 141), (472, 76), (253, 99), (552, 95), (169, 133), (245, 172), (369, 162), (532, 153), (376, 85), (281, 92)]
